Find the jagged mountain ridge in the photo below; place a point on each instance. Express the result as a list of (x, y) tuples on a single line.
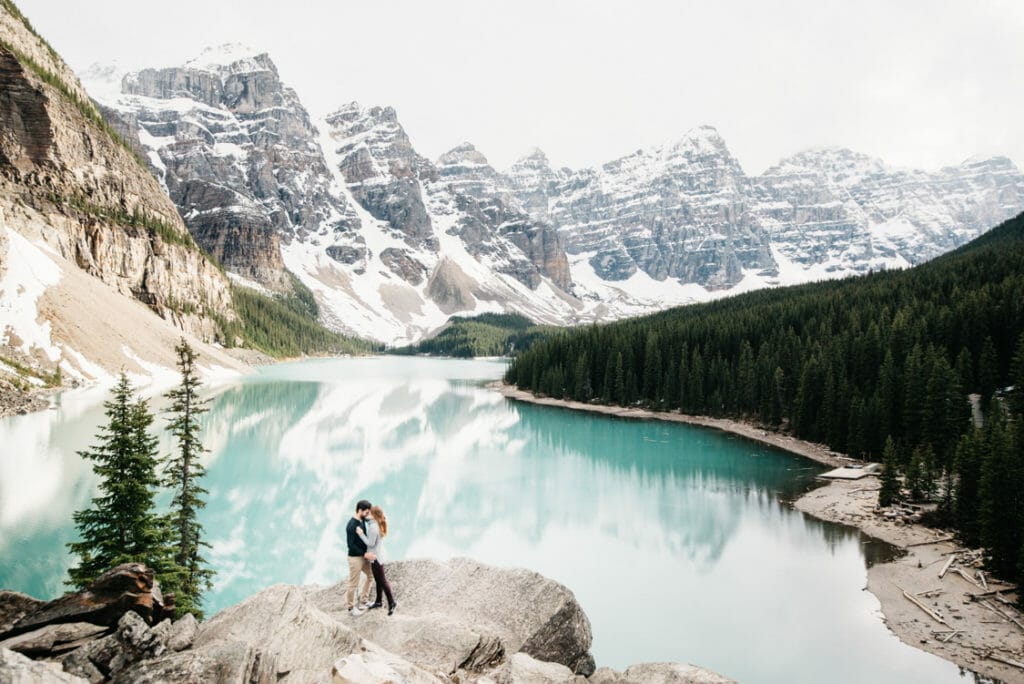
[(393, 243), (232, 147), (372, 227), (687, 210)]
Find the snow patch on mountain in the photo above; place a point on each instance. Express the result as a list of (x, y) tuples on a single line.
[(28, 272)]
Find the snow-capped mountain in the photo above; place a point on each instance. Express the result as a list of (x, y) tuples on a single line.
[(687, 211), (393, 243), (236, 152)]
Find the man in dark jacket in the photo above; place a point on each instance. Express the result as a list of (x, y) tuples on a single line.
[(357, 563)]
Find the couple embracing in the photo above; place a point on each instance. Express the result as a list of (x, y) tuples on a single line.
[(365, 534)]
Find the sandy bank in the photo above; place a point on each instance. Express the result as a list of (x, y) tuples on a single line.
[(980, 632), (973, 631)]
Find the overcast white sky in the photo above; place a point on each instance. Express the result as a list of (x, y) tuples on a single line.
[(921, 83)]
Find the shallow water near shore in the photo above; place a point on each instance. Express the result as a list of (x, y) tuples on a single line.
[(676, 540)]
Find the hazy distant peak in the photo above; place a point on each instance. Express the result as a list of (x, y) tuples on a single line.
[(463, 154), (234, 57)]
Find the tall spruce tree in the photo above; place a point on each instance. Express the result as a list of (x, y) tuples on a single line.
[(890, 489), (122, 525), (183, 475)]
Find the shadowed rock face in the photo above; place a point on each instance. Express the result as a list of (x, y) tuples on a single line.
[(127, 587), (28, 136), (489, 208)]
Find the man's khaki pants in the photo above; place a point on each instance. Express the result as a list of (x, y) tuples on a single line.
[(358, 565)]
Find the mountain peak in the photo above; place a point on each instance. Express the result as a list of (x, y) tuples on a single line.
[(535, 157), (701, 139), (462, 155), (233, 57)]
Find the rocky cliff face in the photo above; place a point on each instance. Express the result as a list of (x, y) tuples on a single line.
[(677, 212), (236, 152), (69, 188)]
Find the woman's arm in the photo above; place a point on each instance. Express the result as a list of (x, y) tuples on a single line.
[(372, 536)]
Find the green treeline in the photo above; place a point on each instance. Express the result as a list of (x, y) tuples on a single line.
[(285, 325), (848, 363), (489, 334)]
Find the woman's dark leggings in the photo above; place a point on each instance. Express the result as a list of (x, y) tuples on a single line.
[(382, 583)]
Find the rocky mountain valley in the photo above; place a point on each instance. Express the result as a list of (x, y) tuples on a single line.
[(393, 243)]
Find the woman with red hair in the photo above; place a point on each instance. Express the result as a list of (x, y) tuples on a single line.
[(376, 530)]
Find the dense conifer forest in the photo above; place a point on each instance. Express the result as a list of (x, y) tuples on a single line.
[(918, 359)]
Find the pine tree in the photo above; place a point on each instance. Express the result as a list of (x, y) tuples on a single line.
[(121, 526), (620, 381), (890, 491), (988, 370), (1001, 507), (183, 475), (1017, 380), (968, 473)]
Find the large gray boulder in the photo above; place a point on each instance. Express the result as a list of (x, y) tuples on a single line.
[(277, 635), (127, 587), (523, 669), (14, 606), (658, 673), (18, 669), (462, 614), (53, 639)]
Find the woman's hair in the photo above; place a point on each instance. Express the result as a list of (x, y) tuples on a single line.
[(382, 520)]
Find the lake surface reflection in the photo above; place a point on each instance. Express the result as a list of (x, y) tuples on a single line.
[(675, 539)]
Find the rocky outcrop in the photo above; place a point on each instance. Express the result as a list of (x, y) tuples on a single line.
[(128, 587), (457, 621), (845, 210), (445, 625), (383, 171), (66, 178)]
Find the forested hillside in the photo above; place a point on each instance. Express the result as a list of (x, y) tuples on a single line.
[(286, 325), (849, 363), (489, 334)]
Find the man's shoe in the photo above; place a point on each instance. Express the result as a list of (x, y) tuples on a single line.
[(355, 612), (391, 608)]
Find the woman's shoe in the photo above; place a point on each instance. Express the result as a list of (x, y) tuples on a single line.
[(371, 606), (391, 608)]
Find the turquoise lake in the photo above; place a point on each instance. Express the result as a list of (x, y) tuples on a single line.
[(677, 541)]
